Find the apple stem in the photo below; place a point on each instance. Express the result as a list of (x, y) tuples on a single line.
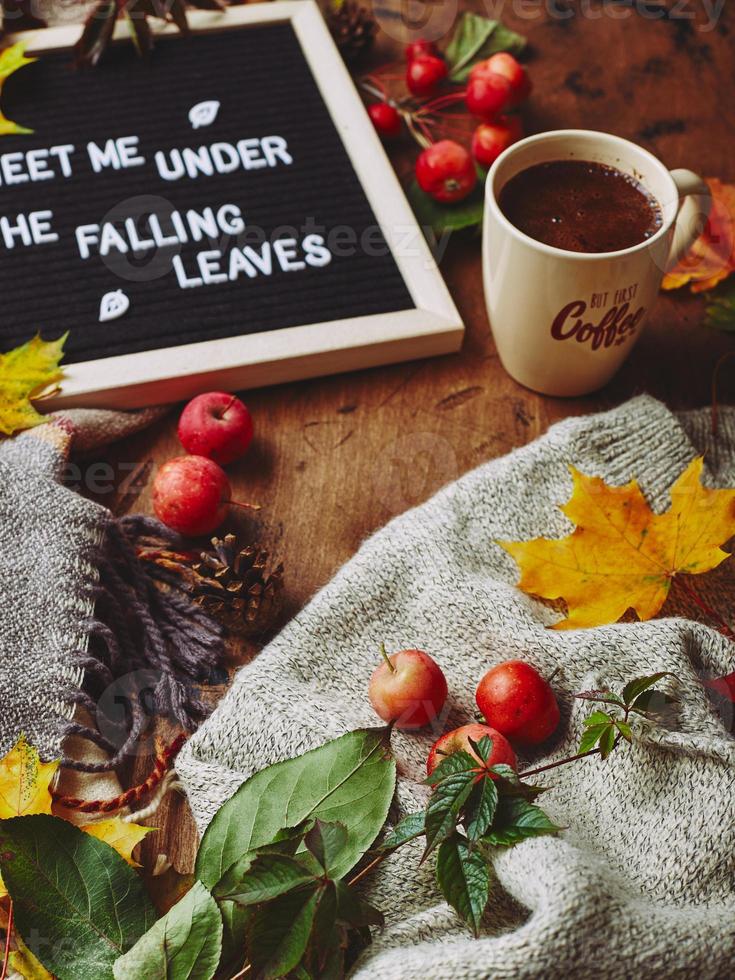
[(387, 659), (221, 414), (244, 504)]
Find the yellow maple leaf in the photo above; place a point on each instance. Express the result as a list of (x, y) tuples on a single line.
[(11, 59), (23, 961), (621, 555), (25, 781), (120, 835), (24, 373)]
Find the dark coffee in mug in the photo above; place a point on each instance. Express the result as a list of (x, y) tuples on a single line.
[(580, 206)]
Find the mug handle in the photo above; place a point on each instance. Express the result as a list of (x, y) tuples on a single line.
[(695, 202)]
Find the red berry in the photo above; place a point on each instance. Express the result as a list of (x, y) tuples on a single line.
[(459, 739), (515, 699), (411, 691), (487, 95), (490, 139), (216, 425), (424, 74), (446, 171), (386, 119), (505, 64), (191, 494), (416, 49)]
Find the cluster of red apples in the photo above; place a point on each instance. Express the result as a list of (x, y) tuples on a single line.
[(409, 690), (191, 494), (497, 86)]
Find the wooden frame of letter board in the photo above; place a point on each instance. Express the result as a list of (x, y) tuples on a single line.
[(174, 373)]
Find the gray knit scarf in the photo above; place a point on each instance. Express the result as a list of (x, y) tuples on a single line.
[(642, 881), (81, 621)]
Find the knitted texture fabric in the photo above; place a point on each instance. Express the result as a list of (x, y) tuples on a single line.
[(641, 883), (80, 618)]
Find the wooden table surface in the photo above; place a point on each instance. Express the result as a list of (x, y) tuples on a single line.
[(335, 458)]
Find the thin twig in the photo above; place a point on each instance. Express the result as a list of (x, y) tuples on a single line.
[(6, 956), (560, 762), (244, 972), (367, 869)]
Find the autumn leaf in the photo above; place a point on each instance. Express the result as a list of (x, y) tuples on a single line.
[(11, 59), (24, 373), (621, 555), (120, 835), (712, 256), (25, 781)]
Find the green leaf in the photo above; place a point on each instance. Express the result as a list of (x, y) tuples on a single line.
[(641, 684), (451, 765), (355, 911), (598, 718), (235, 922), (480, 808), (510, 784), (267, 877), (350, 780), (653, 702), (516, 820), (279, 932), (445, 806), (483, 748), (592, 736), (140, 32), (471, 32), (625, 730), (464, 879), (475, 39), (326, 841), (76, 892), (607, 741), (410, 827), (440, 218), (184, 945)]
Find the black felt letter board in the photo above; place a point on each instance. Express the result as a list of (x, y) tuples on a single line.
[(264, 88)]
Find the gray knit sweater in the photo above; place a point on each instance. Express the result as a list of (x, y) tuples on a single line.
[(642, 881)]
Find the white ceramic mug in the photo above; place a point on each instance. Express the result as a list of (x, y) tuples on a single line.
[(564, 322)]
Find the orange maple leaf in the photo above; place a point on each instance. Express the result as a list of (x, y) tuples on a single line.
[(622, 555), (712, 257)]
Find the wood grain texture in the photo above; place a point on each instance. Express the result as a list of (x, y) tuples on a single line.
[(334, 459)]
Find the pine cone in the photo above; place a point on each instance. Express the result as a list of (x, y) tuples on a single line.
[(228, 582), (231, 585), (352, 28)]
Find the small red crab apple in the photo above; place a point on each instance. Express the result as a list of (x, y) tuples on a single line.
[(191, 495), (216, 425), (491, 139), (424, 74), (460, 739), (519, 702), (386, 119), (504, 63), (419, 48), (446, 171), (488, 95), (408, 688)]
